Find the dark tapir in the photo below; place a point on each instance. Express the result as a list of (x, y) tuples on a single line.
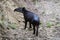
[(30, 17)]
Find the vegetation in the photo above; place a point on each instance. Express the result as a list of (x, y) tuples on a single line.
[(48, 11), (13, 25), (35, 1), (49, 24)]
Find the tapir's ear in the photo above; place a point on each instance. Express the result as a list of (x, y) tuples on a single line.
[(23, 8)]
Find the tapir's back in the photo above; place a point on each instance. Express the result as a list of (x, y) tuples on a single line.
[(32, 17)]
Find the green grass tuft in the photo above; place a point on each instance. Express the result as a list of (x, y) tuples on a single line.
[(13, 25), (54, 30), (49, 24)]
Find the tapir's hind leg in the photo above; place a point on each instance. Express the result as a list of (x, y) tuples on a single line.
[(33, 29), (36, 27), (30, 25)]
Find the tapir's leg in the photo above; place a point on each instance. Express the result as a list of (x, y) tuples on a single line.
[(25, 24), (37, 30), (30, 25), (33, 29)]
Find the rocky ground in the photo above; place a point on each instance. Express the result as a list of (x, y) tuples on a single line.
[(12, 25)]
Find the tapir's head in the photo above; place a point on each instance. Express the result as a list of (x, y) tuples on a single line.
[(20, 9)]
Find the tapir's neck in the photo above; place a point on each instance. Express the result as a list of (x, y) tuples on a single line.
[(24, 12)]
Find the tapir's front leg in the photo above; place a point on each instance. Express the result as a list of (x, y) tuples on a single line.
[(25, 24)]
